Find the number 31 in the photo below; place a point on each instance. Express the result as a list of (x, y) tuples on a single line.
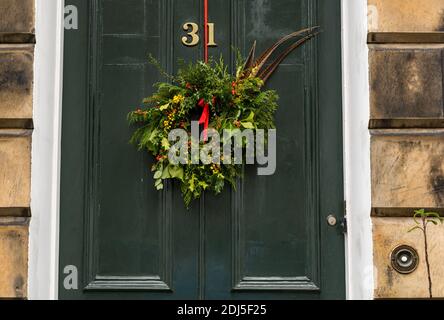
[(193, 38)]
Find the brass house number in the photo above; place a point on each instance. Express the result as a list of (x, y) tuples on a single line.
[(192, 39)]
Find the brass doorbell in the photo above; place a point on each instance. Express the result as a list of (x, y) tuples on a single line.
[(405, 259)]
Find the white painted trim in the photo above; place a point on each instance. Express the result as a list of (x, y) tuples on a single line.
[(45, 177), (356, 108), (43, 252)]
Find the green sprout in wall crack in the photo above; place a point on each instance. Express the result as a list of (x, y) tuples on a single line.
[(422, 220)]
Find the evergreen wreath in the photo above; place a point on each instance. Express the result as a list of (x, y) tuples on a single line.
[(226, 102)]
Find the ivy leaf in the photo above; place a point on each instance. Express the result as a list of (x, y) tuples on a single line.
[(247, 125), (250, 117), (158, 175), (176, 172), (166, 173), (158, 184)]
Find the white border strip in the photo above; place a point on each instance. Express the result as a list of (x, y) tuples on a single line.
[(44, 251), (46, 148), (356, 108)]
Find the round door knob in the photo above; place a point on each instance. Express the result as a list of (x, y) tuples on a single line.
[(332, 221)]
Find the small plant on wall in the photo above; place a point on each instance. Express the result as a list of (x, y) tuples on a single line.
[(422, 221)]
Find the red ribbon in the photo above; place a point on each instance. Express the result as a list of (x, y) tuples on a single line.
[(206, 30), (205, 118)]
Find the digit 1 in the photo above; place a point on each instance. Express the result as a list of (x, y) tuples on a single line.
[(211, 41)]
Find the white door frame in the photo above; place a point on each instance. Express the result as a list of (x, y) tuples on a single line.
[(46, 150), (356, 108)]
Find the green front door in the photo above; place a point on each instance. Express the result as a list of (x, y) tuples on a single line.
[(268, 240)]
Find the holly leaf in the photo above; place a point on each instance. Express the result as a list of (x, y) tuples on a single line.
[(166, 144), (164, 107), (204, 185)]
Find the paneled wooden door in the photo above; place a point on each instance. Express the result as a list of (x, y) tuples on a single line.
[(268, 240)]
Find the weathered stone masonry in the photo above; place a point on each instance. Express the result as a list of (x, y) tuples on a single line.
[(407, 128), (16, 105)]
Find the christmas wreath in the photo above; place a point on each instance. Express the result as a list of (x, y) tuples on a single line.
[(206, 92)]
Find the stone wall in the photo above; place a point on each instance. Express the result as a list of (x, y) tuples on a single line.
[(16, 91), (407, 127)]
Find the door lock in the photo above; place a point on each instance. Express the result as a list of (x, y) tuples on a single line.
[(334, 222)]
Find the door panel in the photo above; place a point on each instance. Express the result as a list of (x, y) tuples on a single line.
[(266, 240)]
